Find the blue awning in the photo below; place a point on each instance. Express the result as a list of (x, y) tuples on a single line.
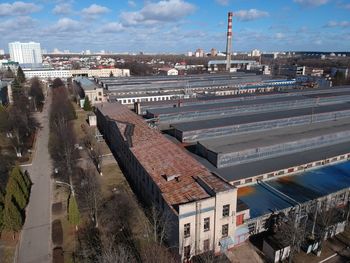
[(225, 243)]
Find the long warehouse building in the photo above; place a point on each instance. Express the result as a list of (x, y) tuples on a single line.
[(199, 130), (201, 207)]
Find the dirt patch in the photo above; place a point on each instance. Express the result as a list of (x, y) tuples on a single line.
[(57, 208), (57, 232), (57, 255)]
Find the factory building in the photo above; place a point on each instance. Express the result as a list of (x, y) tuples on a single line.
[(294, 158), (201, 207), (146, 89), (197, 190), (46, 73), (85, 87)]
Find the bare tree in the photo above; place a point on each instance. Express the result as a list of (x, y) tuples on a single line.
[(66, 147), (118, 254), (155, 253), (91, 193), (293, 227), (159, 226), (94, 149)]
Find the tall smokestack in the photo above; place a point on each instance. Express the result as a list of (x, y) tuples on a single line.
[(229, 41)]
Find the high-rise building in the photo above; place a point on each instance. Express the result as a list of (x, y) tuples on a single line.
[(213, 52), (255, 53), (25, 53), (2, 52), (199, 53)]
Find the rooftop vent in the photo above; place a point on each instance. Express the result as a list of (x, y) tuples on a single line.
[(171, 177)]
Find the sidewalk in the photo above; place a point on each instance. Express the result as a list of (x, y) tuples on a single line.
[(35, 241)]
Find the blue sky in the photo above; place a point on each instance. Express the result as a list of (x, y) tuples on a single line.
[(177, 26)]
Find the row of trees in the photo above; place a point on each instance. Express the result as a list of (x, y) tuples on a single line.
[(13, 201), (62, 137), (17, 124), (62, 143), (16, 120)]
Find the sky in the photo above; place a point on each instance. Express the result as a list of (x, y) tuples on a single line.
[(177, 26)]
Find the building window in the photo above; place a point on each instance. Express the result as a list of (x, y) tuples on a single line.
[(226, 210), (187, 230), (225, 230), (206, 245), (187, 251), (99, 94), (206, 224)]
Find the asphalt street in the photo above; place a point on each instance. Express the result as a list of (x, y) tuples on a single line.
[(35, 241)]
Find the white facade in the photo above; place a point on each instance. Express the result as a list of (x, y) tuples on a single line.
[(47, 73), (172, 72), (25, 53), (95, 96), (208, 224), (255, 53), (56, 73), (161, 97), (2, 52), (106, 72)]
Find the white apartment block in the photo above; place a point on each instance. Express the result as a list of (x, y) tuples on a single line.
[(25, 53)]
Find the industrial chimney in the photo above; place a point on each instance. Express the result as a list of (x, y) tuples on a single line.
[(229, 41)]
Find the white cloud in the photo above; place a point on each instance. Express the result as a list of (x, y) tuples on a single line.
[(311, 3), (162, 11), (223, 2), (131, 3), (62, 9), (18, 23), (280, 36), (66, 25), (249, 15), (18, 8), (112, 27), (95, 10), (343, 24)]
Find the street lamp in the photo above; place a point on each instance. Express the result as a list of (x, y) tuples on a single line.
[(66, 184)]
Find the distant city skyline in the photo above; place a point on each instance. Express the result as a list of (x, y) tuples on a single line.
[(177, 26)]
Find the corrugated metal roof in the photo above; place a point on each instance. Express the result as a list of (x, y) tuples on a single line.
[(304, 187), (236, 143), (215, 123), (255, 168)]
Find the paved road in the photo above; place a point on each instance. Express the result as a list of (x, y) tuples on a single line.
[(35, 243)]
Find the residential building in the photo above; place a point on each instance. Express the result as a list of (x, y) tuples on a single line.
[(5, 64), (199, 53), (168, 71), (255, 53), (5, 92), (213, 52), (2, 52), (25, 53)]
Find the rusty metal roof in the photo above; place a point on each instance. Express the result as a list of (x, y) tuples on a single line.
[(163, 159)]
